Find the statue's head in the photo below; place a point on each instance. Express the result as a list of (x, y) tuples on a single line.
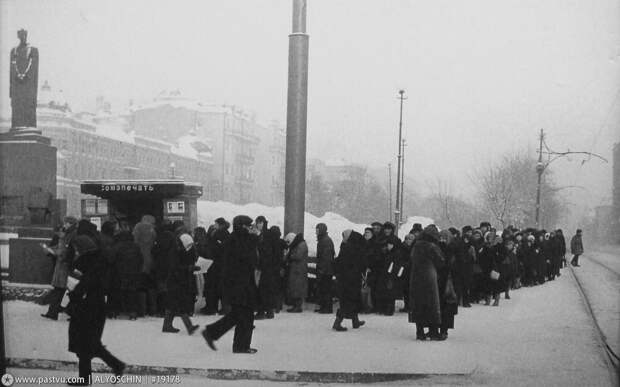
[(22, 35)]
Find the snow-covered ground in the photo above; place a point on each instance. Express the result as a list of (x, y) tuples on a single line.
[(602, 288), (336, 224), (543, 336)]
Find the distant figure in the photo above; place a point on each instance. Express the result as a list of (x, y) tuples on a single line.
[(576, 248), (24, 80)]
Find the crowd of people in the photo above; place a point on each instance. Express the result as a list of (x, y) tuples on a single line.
[(151, 270)]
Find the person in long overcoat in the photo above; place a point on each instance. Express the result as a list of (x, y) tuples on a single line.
[(62, 264), (128, 262), (403, 256), (87, 310), (464, 265), (325, 254), (279, 248), (180, 284), (269, 267), (216, 237), (576, 247), (445, 275), (144, 236), (424, 301), (487, 259), (297, 271), (240, 289), (348, 267), (387, 285)]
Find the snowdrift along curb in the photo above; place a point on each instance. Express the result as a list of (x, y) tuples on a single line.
[(236, 374)]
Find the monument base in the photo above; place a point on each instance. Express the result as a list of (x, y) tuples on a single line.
[(28, 205)]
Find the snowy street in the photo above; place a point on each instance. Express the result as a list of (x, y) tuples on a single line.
[(600, 277), (528, 340)]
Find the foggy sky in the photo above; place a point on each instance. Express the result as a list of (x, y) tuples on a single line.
[(481, 76)]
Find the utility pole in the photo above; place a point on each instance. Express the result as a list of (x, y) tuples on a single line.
[(390, 191), (402, 183), (400, 155), (551, 157), (540, 168), (296, 121)]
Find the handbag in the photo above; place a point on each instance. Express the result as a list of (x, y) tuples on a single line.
[(494, 275)]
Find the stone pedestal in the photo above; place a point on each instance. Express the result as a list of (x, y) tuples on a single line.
[(28, 205)]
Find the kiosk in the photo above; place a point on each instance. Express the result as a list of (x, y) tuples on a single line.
[(129, 200)]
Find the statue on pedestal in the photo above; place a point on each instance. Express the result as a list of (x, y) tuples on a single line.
[(24, 78)]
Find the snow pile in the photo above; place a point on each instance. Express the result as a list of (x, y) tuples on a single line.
[(336, 224)]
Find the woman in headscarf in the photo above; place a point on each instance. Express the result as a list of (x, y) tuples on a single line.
[(87, 309), (297, 261), (349, 266), (424, 302)]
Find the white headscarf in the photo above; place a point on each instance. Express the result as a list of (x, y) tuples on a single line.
[(289, 238)]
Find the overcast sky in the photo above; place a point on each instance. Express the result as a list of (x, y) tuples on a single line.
[(482, 76)]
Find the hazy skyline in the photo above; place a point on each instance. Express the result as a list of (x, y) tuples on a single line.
[(481, 77)]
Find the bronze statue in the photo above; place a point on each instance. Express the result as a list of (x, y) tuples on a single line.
[(24, 80)]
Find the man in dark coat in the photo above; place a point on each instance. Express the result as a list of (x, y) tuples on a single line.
[(128, 262), (325, 253), (576, 247), (87, 310), (348, 268), (424, 302), (269, 267), (240, 289)]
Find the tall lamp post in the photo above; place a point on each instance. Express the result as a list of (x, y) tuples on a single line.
[(296, 120), (399, 166)]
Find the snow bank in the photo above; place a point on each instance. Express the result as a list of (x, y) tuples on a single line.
[(336, 224)]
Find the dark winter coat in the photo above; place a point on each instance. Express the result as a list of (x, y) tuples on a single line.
[(164, 254), (238, 269), (424, 302), (348, 268), (144, 236), (325, 253), (127, 261), (180, 281), (387, 285), (445, 274), (464, 255), (111, 279), (576, 245), (87, 305), (269, 266), (297, 268)]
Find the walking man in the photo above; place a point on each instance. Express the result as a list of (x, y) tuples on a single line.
[(576, 248), (239, 286)]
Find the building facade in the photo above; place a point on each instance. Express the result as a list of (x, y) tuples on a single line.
[(248, 157), (234, 158)]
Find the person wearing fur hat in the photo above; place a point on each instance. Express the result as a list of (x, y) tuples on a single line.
[(240, 289), (180, 285), (424, 301), (447, 294), (348, 268), (297, 271), (463, 266), (325, 253), (87, 310)]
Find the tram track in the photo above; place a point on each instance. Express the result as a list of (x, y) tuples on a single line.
[(604, 266), (612, 358)]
